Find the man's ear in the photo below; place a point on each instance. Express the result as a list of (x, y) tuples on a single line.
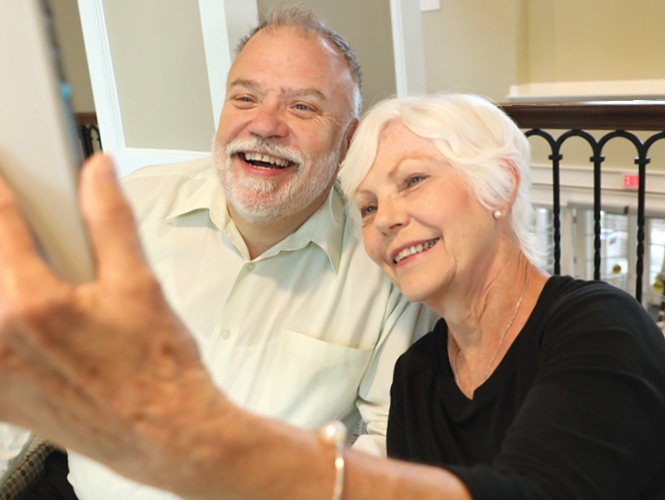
[(351, 131), (348, 136)]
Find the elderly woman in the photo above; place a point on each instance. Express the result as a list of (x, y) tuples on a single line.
[(529, 387)]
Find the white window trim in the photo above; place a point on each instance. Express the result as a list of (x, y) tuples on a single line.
[(610, 90), (408, 47)]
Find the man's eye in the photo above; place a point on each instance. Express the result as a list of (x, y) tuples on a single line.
[(243, 99), (412, 181), (302, 107)]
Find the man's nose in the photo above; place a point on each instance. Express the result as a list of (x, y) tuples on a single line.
[(269, 121)]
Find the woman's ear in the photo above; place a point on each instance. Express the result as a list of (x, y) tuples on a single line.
[(515, 177)]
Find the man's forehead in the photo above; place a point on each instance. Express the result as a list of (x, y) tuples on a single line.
[(298, 39), (265, 60)]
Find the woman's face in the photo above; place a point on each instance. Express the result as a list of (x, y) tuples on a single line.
[(422, 224)]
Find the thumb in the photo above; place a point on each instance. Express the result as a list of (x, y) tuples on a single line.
[(110, 222)]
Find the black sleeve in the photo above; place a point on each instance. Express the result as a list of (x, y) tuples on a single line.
[(593, 424), (396, 443)]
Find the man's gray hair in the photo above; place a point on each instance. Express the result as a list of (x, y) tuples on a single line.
[(311, 22)]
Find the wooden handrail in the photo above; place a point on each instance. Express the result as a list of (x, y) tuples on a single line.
[(601, 116), (89, 118)]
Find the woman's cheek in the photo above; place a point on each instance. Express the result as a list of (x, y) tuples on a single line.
[(373, 245)]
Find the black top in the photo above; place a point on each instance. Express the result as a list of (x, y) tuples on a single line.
[(575, 409)]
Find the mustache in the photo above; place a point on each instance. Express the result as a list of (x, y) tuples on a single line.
[(267, 146)]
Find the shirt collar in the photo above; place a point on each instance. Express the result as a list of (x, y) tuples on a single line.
[(205, 197), (324, 228)]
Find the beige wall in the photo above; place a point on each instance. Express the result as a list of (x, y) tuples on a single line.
[(590, 40), (366, 25), (70, 39), (160, 68), (470, 47), (484, 46)]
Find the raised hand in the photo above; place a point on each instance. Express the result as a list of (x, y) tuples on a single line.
[(106, 368)]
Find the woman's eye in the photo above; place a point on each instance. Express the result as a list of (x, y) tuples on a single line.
[(412, 181), (367, 210)]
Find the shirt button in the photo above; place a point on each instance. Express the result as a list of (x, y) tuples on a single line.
[(250, 266), (226, 334)]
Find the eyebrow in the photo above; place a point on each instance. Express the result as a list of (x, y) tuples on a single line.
[(256, 87), (393, 173), (310, 92), (240, 82)]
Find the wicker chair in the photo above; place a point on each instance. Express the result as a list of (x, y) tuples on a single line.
[(28, 472)]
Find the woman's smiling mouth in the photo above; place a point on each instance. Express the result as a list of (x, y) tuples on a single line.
[(414, 249)]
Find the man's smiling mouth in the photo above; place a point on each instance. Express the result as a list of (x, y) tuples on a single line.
[(412, 250), (259, 160)]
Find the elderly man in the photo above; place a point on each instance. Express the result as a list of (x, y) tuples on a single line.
[(254, 251)]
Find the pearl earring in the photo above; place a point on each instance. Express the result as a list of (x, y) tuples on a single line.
[(497, 214)]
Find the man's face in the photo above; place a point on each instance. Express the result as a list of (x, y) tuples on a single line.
[(284, 125)]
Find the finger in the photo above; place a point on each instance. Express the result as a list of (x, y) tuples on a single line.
[(18, 255), (110, 222)]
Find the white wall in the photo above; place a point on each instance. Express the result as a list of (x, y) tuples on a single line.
[(161, 77)]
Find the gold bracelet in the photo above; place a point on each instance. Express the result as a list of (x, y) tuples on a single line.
[(334, 432)]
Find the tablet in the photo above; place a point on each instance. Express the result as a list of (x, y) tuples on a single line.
[(40, 154)]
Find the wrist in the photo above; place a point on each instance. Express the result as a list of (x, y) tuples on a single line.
[(185, 434), (335, 433)]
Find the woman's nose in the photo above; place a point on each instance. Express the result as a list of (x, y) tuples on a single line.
[(390, 216)]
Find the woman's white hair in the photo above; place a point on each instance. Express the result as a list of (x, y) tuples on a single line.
[(473, 135)]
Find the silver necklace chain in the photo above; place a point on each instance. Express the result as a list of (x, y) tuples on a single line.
[(517, 308)]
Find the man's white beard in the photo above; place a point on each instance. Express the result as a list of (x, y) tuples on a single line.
[(262, 201)]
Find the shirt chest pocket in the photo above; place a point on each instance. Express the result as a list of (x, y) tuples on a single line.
[(312, 381)]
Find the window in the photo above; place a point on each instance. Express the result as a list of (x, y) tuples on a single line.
[(618, 249)]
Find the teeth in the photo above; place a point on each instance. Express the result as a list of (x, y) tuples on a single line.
[(266, 159), (415, 249)]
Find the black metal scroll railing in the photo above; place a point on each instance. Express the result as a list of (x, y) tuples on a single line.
[(618, 117), (88, 131)]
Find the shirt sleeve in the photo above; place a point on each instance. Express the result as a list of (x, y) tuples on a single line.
[(404, 324), (591, 426)]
